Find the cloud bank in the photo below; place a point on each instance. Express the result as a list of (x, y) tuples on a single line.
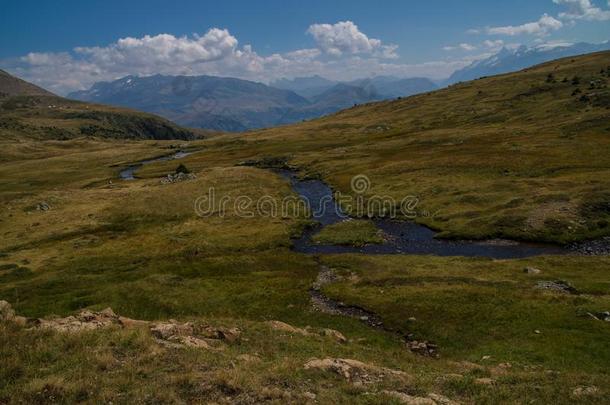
[(341, 51)]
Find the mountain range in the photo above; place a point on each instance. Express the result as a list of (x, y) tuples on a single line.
[(229, 104), (510, 60)]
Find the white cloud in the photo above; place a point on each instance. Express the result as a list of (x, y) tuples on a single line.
[(493, 44), (463, 46), (161, 51), (583, 10), (542, 27), (340, 54), (344, 38)]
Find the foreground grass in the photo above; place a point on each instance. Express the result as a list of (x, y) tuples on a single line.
[(474, 307)]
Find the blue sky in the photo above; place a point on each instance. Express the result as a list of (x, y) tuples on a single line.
[(66, 45)]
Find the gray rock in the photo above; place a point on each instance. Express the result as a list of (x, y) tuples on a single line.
[(557, 286), (43, 206), (177, 177)]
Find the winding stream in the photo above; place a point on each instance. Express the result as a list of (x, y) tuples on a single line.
[(129, 173), (401, 237)]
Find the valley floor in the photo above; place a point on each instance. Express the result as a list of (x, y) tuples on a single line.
[(74, 236)]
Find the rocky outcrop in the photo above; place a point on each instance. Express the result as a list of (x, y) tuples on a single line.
[(308, 331), (85, 320), (355, 371), (170, 334), (175, 334)]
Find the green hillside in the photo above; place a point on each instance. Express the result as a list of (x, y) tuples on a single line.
[(524, 155)]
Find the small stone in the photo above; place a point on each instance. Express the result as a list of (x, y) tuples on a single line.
[(484, 381), (537, 332), (532, 270), (248, 358), (585, 391), (485, 357), (43, 206), (284, 327), (335, 334), (412, 319), (310, 395)]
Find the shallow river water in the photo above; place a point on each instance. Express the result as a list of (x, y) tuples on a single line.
[(401, 237)]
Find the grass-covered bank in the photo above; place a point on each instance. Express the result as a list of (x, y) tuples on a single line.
[(351, 232), (476, 307)]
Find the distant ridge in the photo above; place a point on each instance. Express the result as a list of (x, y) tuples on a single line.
[(230, 104)]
